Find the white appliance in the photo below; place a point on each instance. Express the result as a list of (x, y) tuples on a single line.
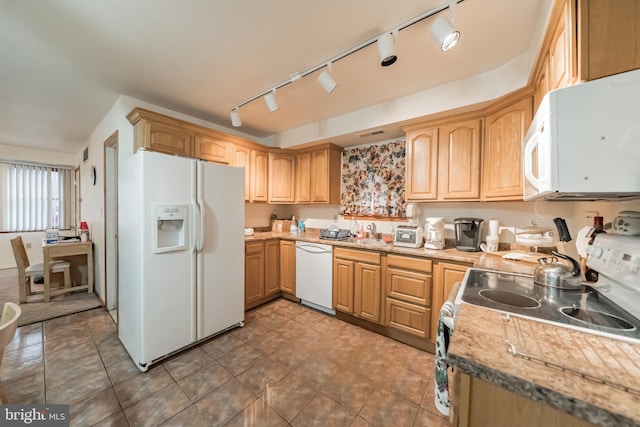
[(434, 233), (584, 142), (314, 275), (181, 253), (408, 236)]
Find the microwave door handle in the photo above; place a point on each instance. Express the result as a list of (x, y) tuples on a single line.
[(528, 164)]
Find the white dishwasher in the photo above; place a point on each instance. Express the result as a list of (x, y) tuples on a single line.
[(314, 275)]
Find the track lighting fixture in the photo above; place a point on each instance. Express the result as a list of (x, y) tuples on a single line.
[(326, 80), (236, 121), (387, 49), (270, 99), (443, 30)]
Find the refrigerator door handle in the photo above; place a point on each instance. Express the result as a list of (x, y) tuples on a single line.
[(194, 227), (200, 204)]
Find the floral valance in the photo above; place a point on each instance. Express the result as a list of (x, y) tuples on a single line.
[(373, 180)]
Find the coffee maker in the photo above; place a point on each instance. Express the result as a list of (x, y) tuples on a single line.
[(468, 234), (434, 233)]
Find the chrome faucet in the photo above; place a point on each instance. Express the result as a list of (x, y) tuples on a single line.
[(373, 231)]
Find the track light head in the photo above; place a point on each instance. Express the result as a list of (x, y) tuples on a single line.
[(444, 33), (270, 99), (387, 49), (327, 81), (236, 120)]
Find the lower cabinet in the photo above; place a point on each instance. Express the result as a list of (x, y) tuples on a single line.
[(288, 266), (476, 402), (408, 295), (357, 283), (261, 272), (446, 274)]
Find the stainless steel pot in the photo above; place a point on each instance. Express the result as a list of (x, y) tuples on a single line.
[(552, 277)]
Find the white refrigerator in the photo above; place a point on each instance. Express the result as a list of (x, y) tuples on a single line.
[(180, 253)]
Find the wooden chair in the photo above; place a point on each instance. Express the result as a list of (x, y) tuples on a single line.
[(8, 323), (27, 271)]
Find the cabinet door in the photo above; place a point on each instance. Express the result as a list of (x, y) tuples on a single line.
[(609, 37), (288, 266), (541, 83), (560, 51), (242, 158), (167, 139), (213, 149), (422, 164), (303, 178), (445, 276), (410, 318), (367, 286), (253, 272), (502, 157), (282, 177), (320, 176), (459, 161), (343, 277), (259, 176), (271, 267)]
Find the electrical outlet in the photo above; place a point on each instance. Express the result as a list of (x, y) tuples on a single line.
[(588, 217), (27, 245)]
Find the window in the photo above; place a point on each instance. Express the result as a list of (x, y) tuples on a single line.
[(34, 197)]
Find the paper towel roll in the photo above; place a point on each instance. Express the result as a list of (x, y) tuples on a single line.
[(493, 228)]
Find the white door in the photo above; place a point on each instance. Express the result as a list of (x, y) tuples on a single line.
[(221, 258), (168, 278)]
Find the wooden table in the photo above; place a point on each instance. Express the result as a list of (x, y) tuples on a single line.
[(61, 250)]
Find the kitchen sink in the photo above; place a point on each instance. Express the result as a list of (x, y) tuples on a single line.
[(372, 242)]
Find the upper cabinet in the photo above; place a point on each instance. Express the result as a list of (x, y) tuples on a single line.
[(282, 177), (242, 158), (259, 176), (160, 133), (443, 162), (502, 152), (214, 149), (318, 175), (609, 37)]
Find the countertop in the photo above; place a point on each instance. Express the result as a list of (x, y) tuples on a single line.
[(600, 381)]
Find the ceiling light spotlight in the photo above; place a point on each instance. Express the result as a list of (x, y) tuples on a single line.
[(326, 80), (387, 49), (270, 99), (236, 121), (443, 30)]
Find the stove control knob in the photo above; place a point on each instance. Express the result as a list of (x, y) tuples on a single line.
[(594, 251)]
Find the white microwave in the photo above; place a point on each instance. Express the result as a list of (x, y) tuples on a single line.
[(584, 142)]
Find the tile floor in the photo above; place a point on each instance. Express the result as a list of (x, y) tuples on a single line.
[(289, 365)]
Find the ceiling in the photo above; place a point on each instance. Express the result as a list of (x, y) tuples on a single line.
[(65, 62)]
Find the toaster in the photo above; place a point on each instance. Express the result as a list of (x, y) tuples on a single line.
[(409, 236)]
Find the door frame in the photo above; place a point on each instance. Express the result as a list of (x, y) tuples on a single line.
[(110, 168)]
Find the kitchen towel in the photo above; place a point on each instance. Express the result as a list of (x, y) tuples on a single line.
[(441, 374)]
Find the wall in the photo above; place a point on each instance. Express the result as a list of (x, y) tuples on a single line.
[(34, 239)]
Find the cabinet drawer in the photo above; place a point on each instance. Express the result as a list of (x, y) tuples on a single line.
[(253, 248), (357, 255), (409, 263), (410, 286), (409, 318)]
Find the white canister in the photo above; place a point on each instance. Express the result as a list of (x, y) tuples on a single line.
[(494, 228)]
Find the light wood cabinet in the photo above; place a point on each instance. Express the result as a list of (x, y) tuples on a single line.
[(272, 267), (459, 161), (408, 291), (609, 33), (242, 158), (443, 161), (303, 177), (561, 58), (213, 149), (445, 275), (357, 283), (282, 177), (504, 131), (261, 272), (259, 176), (160, 133), (253, 273), (421, 167), (288, 266), (318, 175), (541, 83), (476, 402)]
